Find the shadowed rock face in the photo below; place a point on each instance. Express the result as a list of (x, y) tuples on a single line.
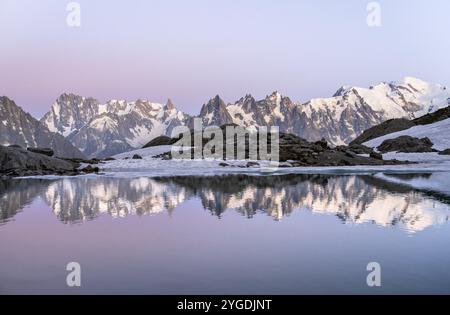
[(352, 199), (20, 128), (16, 161), (394, 125)]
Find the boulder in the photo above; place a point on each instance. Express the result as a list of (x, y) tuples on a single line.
[(137, 157), (406, 144), (322, 143), (445, 152), (90, 169), (44, 151), (376, 155), (360, 149)]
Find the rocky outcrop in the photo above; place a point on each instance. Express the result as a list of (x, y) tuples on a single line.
[(15, 161), (20, 128), (407, 144), (45, 151), (387, 127), (431, 118), (161, 140), (445, 152), (376, 155), (360, 149), (394, 125), (296, 152)]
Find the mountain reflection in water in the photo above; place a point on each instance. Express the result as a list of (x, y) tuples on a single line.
[(353, 199)]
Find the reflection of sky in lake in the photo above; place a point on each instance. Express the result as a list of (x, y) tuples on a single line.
[(385, 200)]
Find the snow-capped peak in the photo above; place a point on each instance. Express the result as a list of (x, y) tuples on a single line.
[(113, 127), (417, 84), (339, 119)]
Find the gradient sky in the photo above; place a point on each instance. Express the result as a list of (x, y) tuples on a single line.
[(192, 50)]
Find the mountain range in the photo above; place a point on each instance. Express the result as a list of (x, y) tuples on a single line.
[(20, 128), (101, 130)]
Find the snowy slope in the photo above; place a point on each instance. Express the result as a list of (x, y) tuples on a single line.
[(352, 110), (439, 134)]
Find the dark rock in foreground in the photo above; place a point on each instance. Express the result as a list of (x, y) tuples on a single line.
[(79, 161), (376, 155), (45, 151), (16, 161), (360, 149), (445, 152), (296, 152), (89, 169), (407, 144)]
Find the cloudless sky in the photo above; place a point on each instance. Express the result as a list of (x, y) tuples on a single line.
[(191, 50)]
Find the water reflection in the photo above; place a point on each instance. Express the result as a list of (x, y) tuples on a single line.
[(353, 199)]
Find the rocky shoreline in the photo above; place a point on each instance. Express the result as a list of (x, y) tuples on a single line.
[(16, 161), (294, 151)]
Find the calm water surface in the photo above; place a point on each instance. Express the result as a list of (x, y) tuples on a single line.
[(289, 234)]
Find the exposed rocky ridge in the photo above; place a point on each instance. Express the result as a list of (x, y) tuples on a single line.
[(436, 116), (19, 128), (161, 140), (394, 125), (387, 127), (295, 151), (16, 161)]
